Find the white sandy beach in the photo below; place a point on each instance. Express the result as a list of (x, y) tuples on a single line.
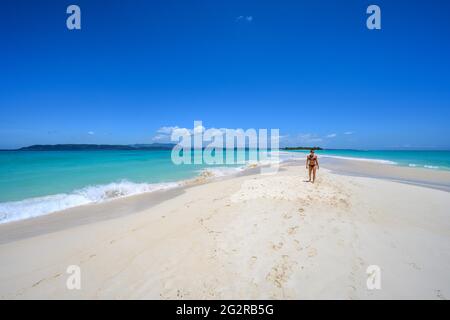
[(247, 237)]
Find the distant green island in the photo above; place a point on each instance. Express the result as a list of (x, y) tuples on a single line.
[(89, 147), (94, 147)]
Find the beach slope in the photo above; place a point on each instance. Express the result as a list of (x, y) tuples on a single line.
[(248, 237)]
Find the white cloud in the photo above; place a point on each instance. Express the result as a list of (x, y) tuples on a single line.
[(166, 130), (198, 129), (181, 132), (91, 133), (349, 132), (161, 138), (245, 18), (164, 134)]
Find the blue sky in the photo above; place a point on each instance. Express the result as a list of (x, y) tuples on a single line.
[(310, 68)]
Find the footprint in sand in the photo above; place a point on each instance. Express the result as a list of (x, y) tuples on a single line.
[(287, 216), (344, 203), (301, 212), (180, 294), (312, 252), (173, 293), (292, 230), (277, 246), (298, 247), (281, 272), (415, 266)]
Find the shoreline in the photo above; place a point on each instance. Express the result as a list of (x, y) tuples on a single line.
[(248, 237), (122, 206), (252, 236), (41, 205), (372, 168), (106, 210), (410, 163), (430, 178)]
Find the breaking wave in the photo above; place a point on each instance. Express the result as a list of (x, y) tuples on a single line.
[(34, 207)]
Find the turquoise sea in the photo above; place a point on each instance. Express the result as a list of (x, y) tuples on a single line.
[(439, 160), (33, 183)]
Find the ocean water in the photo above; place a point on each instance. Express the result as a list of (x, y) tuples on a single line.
[(34, 183), (437, 160)]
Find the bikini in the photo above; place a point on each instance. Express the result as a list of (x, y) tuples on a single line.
[(312, 161)]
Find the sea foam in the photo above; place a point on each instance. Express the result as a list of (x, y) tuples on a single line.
[(361, 159), (34, 207), (222, 171), (286, 156)]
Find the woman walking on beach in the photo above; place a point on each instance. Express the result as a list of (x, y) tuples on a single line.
[(312, 163)]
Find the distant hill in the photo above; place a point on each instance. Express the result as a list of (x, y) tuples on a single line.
[(93, 147)]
